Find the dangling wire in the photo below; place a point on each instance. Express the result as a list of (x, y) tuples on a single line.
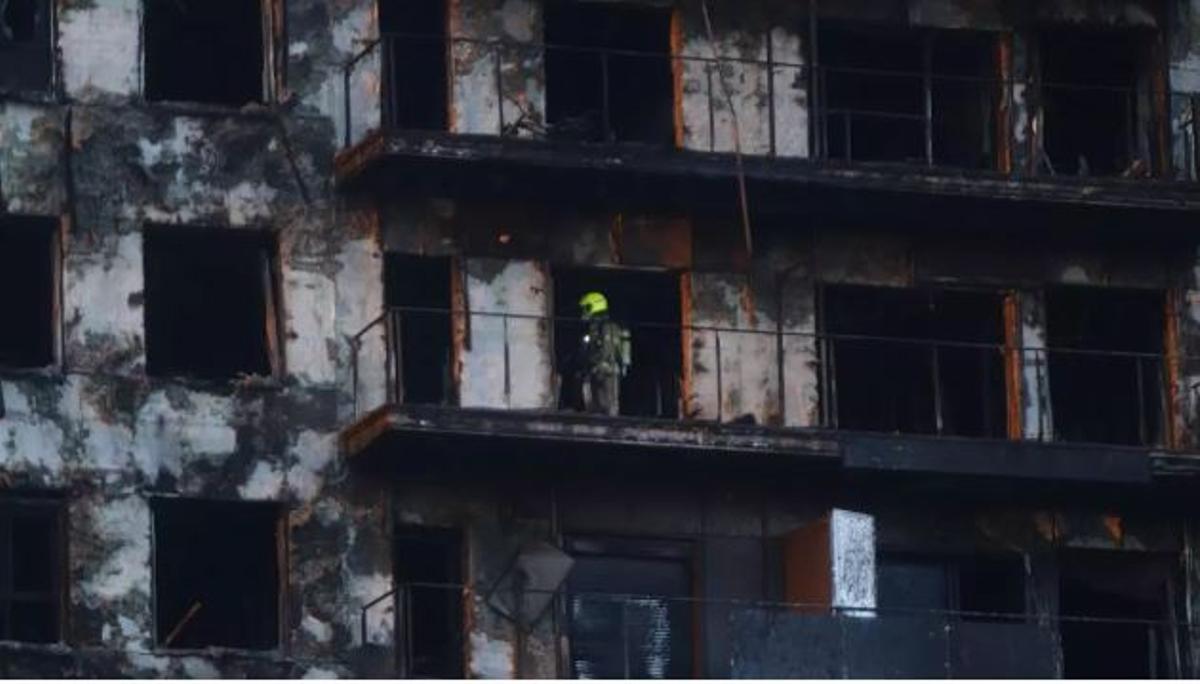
[(737, 132)]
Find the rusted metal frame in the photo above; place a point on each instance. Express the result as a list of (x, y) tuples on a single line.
[(1172, 410), (184, 621), (282, 574), (1004, 137), (720, 385), (389, 358), (677, 63), (1160, 109), (272, 279), (686, 348), (1013, 386)]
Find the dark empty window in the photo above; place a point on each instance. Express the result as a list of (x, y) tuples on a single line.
[(982, 587), (32, 569), (429, 573), (628, 609), (877, 84), (210, 309), (914, 361), (414, 34), (216, 573), (417, 291), (1105, 364), (1116, 611), (608, 72), (26, 57), (208, 51), (1090, 100), (28, 264), (647, 304)]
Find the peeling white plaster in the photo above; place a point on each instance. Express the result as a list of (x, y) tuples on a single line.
[(319, 631), (362, 589), (852, 553), (313, 452), (124, 525), (490, 658), (199, 668), (100, 46), (265, 483), (311, 312)]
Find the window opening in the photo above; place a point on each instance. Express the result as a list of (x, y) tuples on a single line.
[(32, 566), (26, 57), (1090, 101), (418, 289), (993, 586), (216, 573), (208, 51), (429, 568), (628, 610), (415, 63), (644, 303), (1111, 587), (877, 83), (210, 302), (28, 292), (609, 74), (915, 361), (1110, 389)]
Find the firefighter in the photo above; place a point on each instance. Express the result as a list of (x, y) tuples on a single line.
[(606, 352)]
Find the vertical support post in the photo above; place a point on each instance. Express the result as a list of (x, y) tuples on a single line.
[(625, 636), (1012, 364), (388, 360), (348, 135), (507, 366), (936, 370), (771, 90), (819, 136), (1140, 380), (605, 94), (392, 115), (499, 86), (927, 82), (712, 112), (720, 386)]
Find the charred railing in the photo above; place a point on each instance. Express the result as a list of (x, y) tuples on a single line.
[(950, 388), (373, 99), (610, 635)]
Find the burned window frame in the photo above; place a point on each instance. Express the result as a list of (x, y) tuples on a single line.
[(41, 48), (1147, 132), (1005, 345), (683, 552), (45, 505), (53, 226), (273, 47), (995, 125), (282, 573), (273, 323)]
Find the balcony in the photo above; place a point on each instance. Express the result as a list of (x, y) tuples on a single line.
[(615, 636), (758, 400), (660, 123)]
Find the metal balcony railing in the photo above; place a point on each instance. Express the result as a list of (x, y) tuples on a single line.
[(373, 100), (918, 386), (610, 635)]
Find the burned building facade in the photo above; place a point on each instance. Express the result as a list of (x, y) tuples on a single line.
[(290, 355)]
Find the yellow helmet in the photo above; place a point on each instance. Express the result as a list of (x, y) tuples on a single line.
[(593, 303)]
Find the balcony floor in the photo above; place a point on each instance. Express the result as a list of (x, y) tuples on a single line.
[(629, 169), (432, 441)]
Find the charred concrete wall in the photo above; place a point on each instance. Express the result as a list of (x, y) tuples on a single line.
[(95, 427)]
